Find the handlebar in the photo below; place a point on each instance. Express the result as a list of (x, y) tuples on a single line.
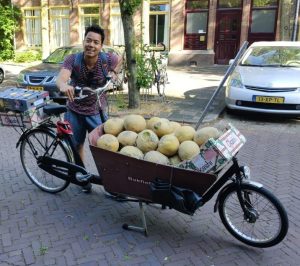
[(78, 91), (161, 47)]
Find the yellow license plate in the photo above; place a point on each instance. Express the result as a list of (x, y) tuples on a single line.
[(268, 99), (35, 88)]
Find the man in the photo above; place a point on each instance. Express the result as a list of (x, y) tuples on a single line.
[(87, 69)]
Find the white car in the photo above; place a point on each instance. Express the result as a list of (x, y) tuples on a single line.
[(2, 73), (267, 79)]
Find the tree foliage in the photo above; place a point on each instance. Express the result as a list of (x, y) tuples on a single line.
[(9, 17)]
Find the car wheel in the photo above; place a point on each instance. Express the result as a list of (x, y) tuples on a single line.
[(1, 76)]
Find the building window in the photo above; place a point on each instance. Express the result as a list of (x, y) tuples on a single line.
[(60, 27), (263, 20), (116, 25), (89, 15), (33, 29), (196, 20), (159, 22), (263, 16), (230, 4)]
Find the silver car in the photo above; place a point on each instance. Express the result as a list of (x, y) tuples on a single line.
[(267, 79), (2, 73)]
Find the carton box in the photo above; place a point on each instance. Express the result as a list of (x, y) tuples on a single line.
[(216, 153), (16, 99)]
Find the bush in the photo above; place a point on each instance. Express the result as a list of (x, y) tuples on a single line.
[(28, 56)]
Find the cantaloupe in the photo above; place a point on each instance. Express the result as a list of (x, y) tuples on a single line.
[(162, 127), (184, 133), (152, 121), (168, 145), (108, 142), (156, 157), (175, 160), (135, 123), (113, 126), (132, 151), (174, 125), (147, 140), (127, 138), (188, 150), (203, 134)]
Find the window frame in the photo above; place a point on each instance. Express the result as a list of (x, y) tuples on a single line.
[(24, 28), (51, 20), (81, 17), (193, 36), (167, 15)]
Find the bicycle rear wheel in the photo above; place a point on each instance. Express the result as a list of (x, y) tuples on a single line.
[(266, 223), (36, 144)]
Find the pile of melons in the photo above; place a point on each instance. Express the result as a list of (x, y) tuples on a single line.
[(156, 140)]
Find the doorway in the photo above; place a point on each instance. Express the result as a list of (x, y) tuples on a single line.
[(227, 39)]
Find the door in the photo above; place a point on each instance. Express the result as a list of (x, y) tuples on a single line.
[(227, 36)]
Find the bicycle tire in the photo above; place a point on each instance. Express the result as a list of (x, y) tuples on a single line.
[(41, 139), (260, 229), (1, 76), (161, 80)]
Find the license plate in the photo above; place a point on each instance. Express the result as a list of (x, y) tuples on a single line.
[(35, 88), (268, 99)]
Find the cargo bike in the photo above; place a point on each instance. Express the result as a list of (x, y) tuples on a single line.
[(250, 212)]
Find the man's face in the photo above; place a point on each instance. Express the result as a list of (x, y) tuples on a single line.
[(92, 44)]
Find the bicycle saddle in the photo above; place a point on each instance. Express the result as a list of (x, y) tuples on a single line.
[(54, 109)]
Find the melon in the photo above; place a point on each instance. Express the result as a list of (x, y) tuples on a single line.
[(185, 133), (203, 134), (132, 151), (168, 145), (152, 121), (127, 138), (135, 123), (108, 142), (162, 127), (174, 125), (175, 160), (188, 150), (156, 157), (147, 140), (113, 126)]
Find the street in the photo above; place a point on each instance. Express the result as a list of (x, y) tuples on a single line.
[(73, 228)]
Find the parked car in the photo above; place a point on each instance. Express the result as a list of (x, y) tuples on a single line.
[(267, 79), (43, 76), (2, 73)]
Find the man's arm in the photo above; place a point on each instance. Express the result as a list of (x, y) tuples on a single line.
[(61, 82)]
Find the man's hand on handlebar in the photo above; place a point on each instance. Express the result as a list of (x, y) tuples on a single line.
[(68, 90)]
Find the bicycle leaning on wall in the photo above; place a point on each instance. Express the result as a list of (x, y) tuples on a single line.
[(156, 63)]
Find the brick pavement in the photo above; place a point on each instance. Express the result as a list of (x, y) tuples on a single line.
[(72, 228)]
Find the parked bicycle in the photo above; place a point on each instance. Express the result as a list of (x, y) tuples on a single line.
[(156, 63), (121, 77)]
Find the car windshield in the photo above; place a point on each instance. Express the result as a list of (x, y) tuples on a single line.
[(276, 56), (58, 56)]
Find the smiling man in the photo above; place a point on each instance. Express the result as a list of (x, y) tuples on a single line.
[(87, 69)]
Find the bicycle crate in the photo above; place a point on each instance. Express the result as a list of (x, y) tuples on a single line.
[(28, 119), (132, 177)]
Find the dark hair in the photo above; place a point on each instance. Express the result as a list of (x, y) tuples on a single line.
[(96, 29)]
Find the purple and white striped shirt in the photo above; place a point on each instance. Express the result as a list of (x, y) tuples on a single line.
[(88, 106)]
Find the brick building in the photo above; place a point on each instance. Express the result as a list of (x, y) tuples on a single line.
[(196, 32)]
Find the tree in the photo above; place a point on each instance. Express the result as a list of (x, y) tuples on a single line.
[(9, 17), (128, 8)]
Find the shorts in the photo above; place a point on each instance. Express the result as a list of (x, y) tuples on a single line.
[(81, 124)]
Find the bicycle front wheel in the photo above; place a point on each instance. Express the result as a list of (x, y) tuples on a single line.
[(36, 144), (264, 225)]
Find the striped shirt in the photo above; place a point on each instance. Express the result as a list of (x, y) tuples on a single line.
[(88, 105)]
